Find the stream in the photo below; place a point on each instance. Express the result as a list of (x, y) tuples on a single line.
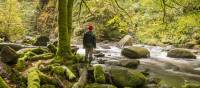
[(172, 71)]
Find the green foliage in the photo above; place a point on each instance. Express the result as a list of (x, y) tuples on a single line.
[(10, 20), (180, 26)]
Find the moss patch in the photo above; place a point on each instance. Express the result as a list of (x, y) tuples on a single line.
[(33, 78), (99, 74), (3, 84)]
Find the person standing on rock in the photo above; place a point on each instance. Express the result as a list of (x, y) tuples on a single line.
[(89, 43)]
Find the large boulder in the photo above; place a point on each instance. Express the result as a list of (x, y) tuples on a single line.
[(8, 55), (135, 52), (42, 41), (130, 63), (181, 53), (123, 77), (95, 85)]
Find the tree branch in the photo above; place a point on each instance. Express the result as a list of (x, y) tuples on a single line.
[(88, 8), (124, 11)]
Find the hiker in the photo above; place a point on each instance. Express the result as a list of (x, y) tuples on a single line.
[(89, 43)]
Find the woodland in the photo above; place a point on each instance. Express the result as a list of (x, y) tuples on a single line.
[(140, 44)]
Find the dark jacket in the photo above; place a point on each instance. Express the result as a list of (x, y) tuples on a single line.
[(89, 40)]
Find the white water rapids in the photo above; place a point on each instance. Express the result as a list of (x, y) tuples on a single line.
[(158, 63)]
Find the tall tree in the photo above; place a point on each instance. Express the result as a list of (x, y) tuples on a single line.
[(65, 29)]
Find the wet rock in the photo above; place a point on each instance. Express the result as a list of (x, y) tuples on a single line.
[(181, 53), (135, 52), (99, 55), (127, 78), (105, 47), (112, 62), (95, 85), (99, 74), (154, 80), (169, 47), (41, 41), (129, 63), (8, 55)]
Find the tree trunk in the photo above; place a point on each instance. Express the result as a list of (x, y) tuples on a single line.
[(65, 29)]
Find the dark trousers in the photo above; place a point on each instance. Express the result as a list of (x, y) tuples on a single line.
[(88, 54)]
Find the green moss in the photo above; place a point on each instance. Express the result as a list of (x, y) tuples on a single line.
[(22, 52), (58, 70), (21, 63), (3, 84), (18, 79), (33, 78), (52, 48), (181, 53), (190, 85), (99, 74), (42, 57), (78, 58), (63, 70), (39, 50), (70, 74), (48, 86), (95, 85), (123, 77)]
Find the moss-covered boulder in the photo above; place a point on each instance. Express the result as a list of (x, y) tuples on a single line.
[(130, 63), (181, 53), (95, 85), (33, 78), (135, 52), (99, 74), (42, 41), (8, 55), (3, 84), (123, 77)]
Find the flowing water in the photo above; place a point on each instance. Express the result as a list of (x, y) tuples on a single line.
[(172, 71)]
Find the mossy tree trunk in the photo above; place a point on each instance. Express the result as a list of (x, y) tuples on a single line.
[(65, 29)]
